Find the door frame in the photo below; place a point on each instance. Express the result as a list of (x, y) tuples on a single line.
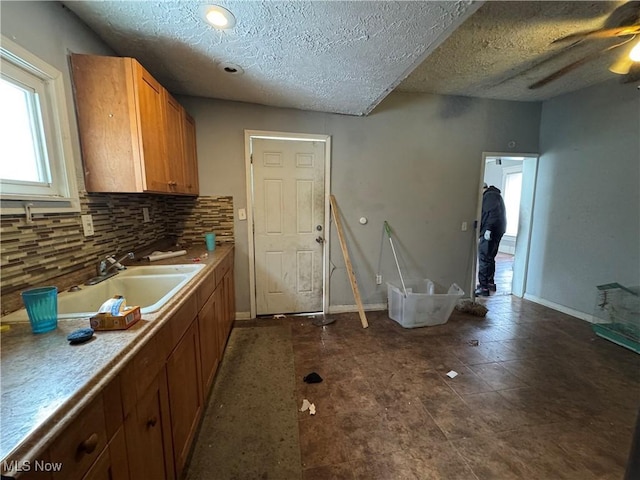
[(249, 135), (527, 240)]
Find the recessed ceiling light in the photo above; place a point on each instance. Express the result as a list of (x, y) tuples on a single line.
[(218, 17), (231, 68)]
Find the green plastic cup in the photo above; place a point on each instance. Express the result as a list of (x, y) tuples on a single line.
[(42, 308), (210, 240)]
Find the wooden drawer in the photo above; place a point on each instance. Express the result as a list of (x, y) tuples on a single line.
[(112, 463), (81, 442), (221, 270), (181, 320), (206, 289), (140, 372)]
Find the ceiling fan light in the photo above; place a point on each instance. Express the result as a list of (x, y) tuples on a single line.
[(621, 66), (634, 54)]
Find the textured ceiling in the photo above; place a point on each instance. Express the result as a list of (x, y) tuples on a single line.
[(333, 56), (346, 56), (506, 46)]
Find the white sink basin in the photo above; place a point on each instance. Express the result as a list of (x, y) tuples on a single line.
[(149, 292), (149, 287), (190, 268)]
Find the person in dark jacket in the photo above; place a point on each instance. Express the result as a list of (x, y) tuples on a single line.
[(493, 224)]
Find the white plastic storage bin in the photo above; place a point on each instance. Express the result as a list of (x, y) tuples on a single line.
[(422, 306)]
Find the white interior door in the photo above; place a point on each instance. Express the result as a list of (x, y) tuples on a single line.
[(525, 219), (288, 222)]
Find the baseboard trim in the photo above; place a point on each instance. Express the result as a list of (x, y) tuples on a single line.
[(372, 307), (561, 308)]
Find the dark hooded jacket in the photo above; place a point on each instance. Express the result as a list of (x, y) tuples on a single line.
[(494, 214)]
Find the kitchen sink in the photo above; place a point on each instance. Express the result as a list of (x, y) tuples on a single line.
[(189, 268), (149, 287)]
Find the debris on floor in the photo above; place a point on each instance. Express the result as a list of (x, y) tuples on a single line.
[(473, 343), (313, 377), (452, 374), (474, 308), (306, 405), (279, 315)]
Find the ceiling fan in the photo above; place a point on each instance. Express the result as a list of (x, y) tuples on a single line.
[(624, 25)]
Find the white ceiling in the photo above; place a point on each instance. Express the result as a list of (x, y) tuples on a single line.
[(346, 56)]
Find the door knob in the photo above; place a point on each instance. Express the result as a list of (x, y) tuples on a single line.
[(320, 240)]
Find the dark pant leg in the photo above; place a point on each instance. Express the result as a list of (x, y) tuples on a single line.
[(494, 245), (487, 251)]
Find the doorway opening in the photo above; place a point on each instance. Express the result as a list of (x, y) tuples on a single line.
[(287, 177), (515, 175)]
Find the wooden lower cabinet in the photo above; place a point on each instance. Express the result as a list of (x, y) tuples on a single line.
[(112, 463), (148, 434), (209, 344), (143, 424), (81, 443), (185, 394)]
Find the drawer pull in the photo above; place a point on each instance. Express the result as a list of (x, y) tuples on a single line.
[(89, 445), (152, 422)]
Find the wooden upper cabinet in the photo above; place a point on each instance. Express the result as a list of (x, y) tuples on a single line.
[(174, 116), (131, 128), (190, 155), (150, 112)]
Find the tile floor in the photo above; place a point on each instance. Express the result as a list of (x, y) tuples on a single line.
[(539, 397)]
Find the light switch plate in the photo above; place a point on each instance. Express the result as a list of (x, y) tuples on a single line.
[(87, 225), (464, 226), (242, 214)]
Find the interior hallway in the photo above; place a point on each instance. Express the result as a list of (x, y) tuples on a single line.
[(503, 274), (539, 397)]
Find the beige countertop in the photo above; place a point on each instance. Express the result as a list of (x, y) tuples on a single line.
[(45, 382)]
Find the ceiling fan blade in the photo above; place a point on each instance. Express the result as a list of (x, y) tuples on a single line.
[(542, 62), (569, 68), (602, 33)]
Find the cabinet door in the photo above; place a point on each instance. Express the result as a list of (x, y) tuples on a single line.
[(209, 347), (185, 393), (152, 130), (104, 93), (190, 155), (112, 463), (231, 296), (148, 434), (174, 114), (80, 444), (221, 323)]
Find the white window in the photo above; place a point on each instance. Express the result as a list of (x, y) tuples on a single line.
[(37, 171)]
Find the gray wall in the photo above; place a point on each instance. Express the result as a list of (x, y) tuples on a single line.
[(415, 162), (586, 229)]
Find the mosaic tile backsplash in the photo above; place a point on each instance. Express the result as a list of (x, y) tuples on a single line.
[(53, 248)]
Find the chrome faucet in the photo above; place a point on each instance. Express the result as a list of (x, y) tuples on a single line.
[(104, 269)]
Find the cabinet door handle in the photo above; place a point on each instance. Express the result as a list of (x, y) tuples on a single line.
[(152, 422), (89, 445)]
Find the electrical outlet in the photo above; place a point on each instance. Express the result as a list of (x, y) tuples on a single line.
[(87, 225), (464, 226), (145, 215), (378, 279)]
